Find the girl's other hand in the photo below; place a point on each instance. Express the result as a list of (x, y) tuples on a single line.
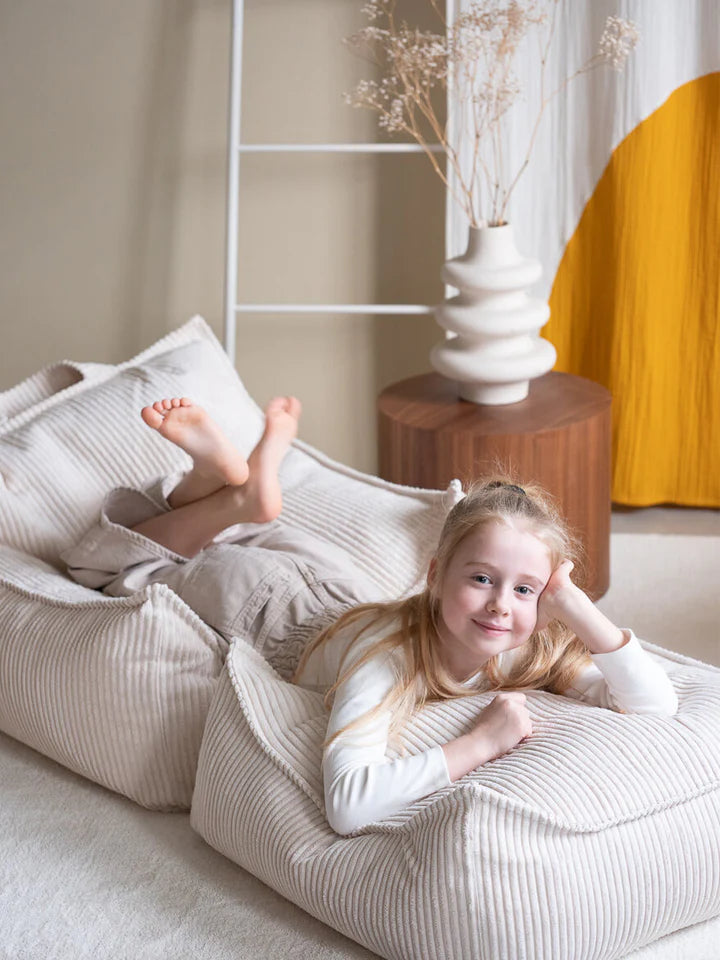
[(503, 723)]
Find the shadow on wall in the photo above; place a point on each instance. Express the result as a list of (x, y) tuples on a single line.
[(90, 98), (410, 246), (146, 276), (410, 251)]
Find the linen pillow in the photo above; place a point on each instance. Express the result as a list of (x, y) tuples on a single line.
[(41, 385), (613, 819), (60, 455), (117, 689), (114, 689)]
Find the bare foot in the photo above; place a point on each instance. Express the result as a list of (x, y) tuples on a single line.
[(192, 429), (260, 499), (203, 508)]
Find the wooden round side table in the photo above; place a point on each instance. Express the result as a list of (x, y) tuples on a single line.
[(559, 436)]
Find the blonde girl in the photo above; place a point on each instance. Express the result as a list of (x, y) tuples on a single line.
[(499, 611)]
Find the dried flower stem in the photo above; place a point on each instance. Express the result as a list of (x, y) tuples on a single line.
[(474, 57)]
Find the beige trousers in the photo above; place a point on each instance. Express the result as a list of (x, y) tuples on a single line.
[(271, 584)]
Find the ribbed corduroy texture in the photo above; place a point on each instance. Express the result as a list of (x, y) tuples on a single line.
[(117, 690), (38, 387), (61, 455), (599, 835), (389, 531)]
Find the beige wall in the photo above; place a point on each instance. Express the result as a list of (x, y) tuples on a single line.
[(112, 191)]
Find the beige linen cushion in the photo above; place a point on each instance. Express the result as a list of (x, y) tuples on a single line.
[(114, 689), (117, 690), (599, 835), (62, 452)]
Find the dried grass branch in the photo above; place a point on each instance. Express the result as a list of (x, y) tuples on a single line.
[(475, 57)]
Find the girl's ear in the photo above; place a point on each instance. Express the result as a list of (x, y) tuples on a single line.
[(432, 570)]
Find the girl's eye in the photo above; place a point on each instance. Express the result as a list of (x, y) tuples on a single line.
[(525, 591), (481, 578)]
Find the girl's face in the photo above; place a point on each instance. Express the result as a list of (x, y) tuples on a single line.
[(489, 595)]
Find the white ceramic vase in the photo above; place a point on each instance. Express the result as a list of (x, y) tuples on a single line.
[(496, 348)]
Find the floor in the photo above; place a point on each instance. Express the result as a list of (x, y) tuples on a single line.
[(690, 521)]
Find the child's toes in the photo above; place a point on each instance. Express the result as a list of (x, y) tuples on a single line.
[(276, 405), (151, 417), (158, 405)]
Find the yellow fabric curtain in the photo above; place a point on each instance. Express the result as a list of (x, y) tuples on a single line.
[(635, 303)]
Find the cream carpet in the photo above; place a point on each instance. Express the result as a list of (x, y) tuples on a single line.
[(667, 588), (85, 873)]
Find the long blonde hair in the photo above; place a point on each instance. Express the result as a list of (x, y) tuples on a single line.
[(549, 660)]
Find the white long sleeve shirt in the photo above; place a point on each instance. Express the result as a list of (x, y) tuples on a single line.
[(361, 785)]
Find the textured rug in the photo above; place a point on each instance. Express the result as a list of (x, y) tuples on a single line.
[(85, 873), (667, 589)]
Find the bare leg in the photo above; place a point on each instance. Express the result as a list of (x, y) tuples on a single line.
[(189, 528), (216, 462)]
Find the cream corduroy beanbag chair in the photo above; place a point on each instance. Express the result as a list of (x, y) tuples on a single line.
[(118, 689), (597, 836)]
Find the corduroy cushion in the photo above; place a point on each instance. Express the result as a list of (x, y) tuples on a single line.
[(61, 452), (114, 689), (597, 836), (117, 690)]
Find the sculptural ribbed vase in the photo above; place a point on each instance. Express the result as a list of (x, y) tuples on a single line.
[(496, 348)]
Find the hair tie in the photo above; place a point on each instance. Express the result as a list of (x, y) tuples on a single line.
[(509, 486)]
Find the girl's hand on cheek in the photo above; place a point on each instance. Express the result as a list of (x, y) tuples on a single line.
[(558, 587)]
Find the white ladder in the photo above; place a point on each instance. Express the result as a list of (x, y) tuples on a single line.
[(236, 147)]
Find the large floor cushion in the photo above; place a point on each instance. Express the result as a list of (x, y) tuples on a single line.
[(61, 452), (115, 689), (118, 690), (597, 836)]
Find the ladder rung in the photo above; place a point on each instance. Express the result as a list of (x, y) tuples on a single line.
[(368, 308), (336, 148)]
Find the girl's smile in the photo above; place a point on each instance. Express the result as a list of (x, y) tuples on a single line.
[(489, 595), (491, 628)]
